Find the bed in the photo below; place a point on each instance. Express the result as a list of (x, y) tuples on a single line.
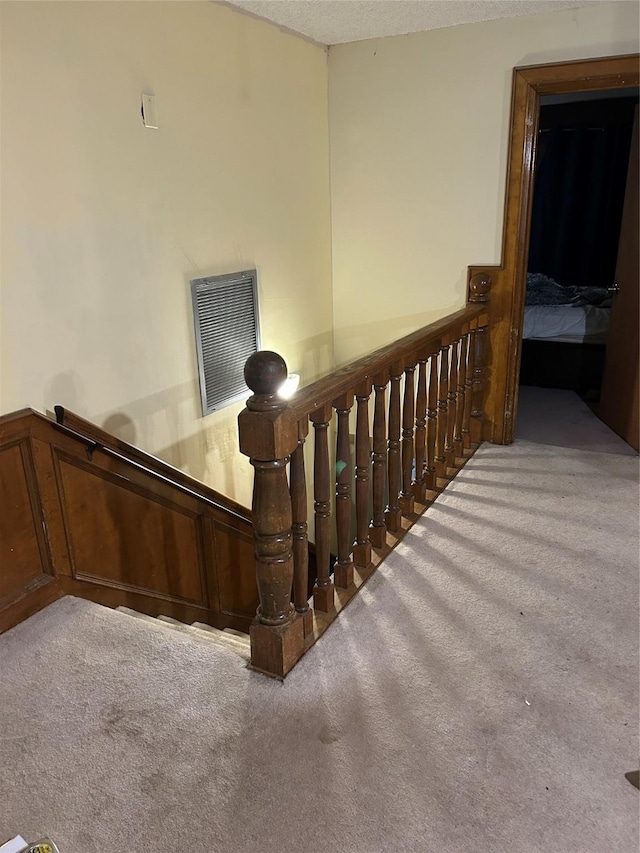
[(570, 324), (564, 335)]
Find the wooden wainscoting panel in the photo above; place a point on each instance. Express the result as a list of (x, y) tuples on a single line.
[(24, 559), (117, 527), (27, 581), (123, 535), (236, 574)]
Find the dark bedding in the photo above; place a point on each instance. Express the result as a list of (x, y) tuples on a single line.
[(542, 290)]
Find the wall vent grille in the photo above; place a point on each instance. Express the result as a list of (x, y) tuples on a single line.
[(225, 312)]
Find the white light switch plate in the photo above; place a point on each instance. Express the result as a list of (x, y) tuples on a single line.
[(149, 116)]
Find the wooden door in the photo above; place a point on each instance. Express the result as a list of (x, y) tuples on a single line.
[(619, 394)]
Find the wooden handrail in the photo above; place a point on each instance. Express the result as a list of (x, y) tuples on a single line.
[(328, 388), (88, 432), (424, 446), (321, 393), (174, 482)]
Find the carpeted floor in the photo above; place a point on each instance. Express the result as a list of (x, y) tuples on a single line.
[(479, 695), (558, 417)]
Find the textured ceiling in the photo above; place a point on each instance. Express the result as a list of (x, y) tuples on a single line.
[(338, 21)]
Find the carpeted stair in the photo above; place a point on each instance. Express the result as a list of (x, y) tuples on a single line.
[(227, 638)]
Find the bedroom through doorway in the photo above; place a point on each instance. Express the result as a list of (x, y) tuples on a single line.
[(572, 289)]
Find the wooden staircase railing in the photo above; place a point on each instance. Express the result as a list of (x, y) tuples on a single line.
[(427, 420), (84, 513)]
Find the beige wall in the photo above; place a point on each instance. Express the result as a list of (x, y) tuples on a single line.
[(418, 130), (105, 222)]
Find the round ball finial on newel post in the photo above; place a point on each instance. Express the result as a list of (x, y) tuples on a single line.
[(265, 372), (479, 287)]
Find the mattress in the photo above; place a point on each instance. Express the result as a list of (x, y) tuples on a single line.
[(566, 323)]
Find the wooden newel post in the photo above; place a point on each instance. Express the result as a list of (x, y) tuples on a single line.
[(479, 292), (268, 438)]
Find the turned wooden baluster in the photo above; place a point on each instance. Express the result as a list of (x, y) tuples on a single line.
[(477, 413), (452, 404), (466, 420), (443, 390), (343, 570), (408, 416), (323, 591), (378, 528), (362, 546), (419, 485), (300, 545), (277, 638), (462, 380), (432, 417), (393, 514)]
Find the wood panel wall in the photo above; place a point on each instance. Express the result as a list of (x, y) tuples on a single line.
[(101, 520)]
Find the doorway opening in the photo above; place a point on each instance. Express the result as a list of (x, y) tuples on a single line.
[(507, 280), (581, 178)]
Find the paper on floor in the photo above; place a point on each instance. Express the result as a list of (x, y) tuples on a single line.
[(15, 845)]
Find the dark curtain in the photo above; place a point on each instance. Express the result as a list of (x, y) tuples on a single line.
[(578, 199)]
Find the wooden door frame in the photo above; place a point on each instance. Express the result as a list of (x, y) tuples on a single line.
[(503, 286)]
